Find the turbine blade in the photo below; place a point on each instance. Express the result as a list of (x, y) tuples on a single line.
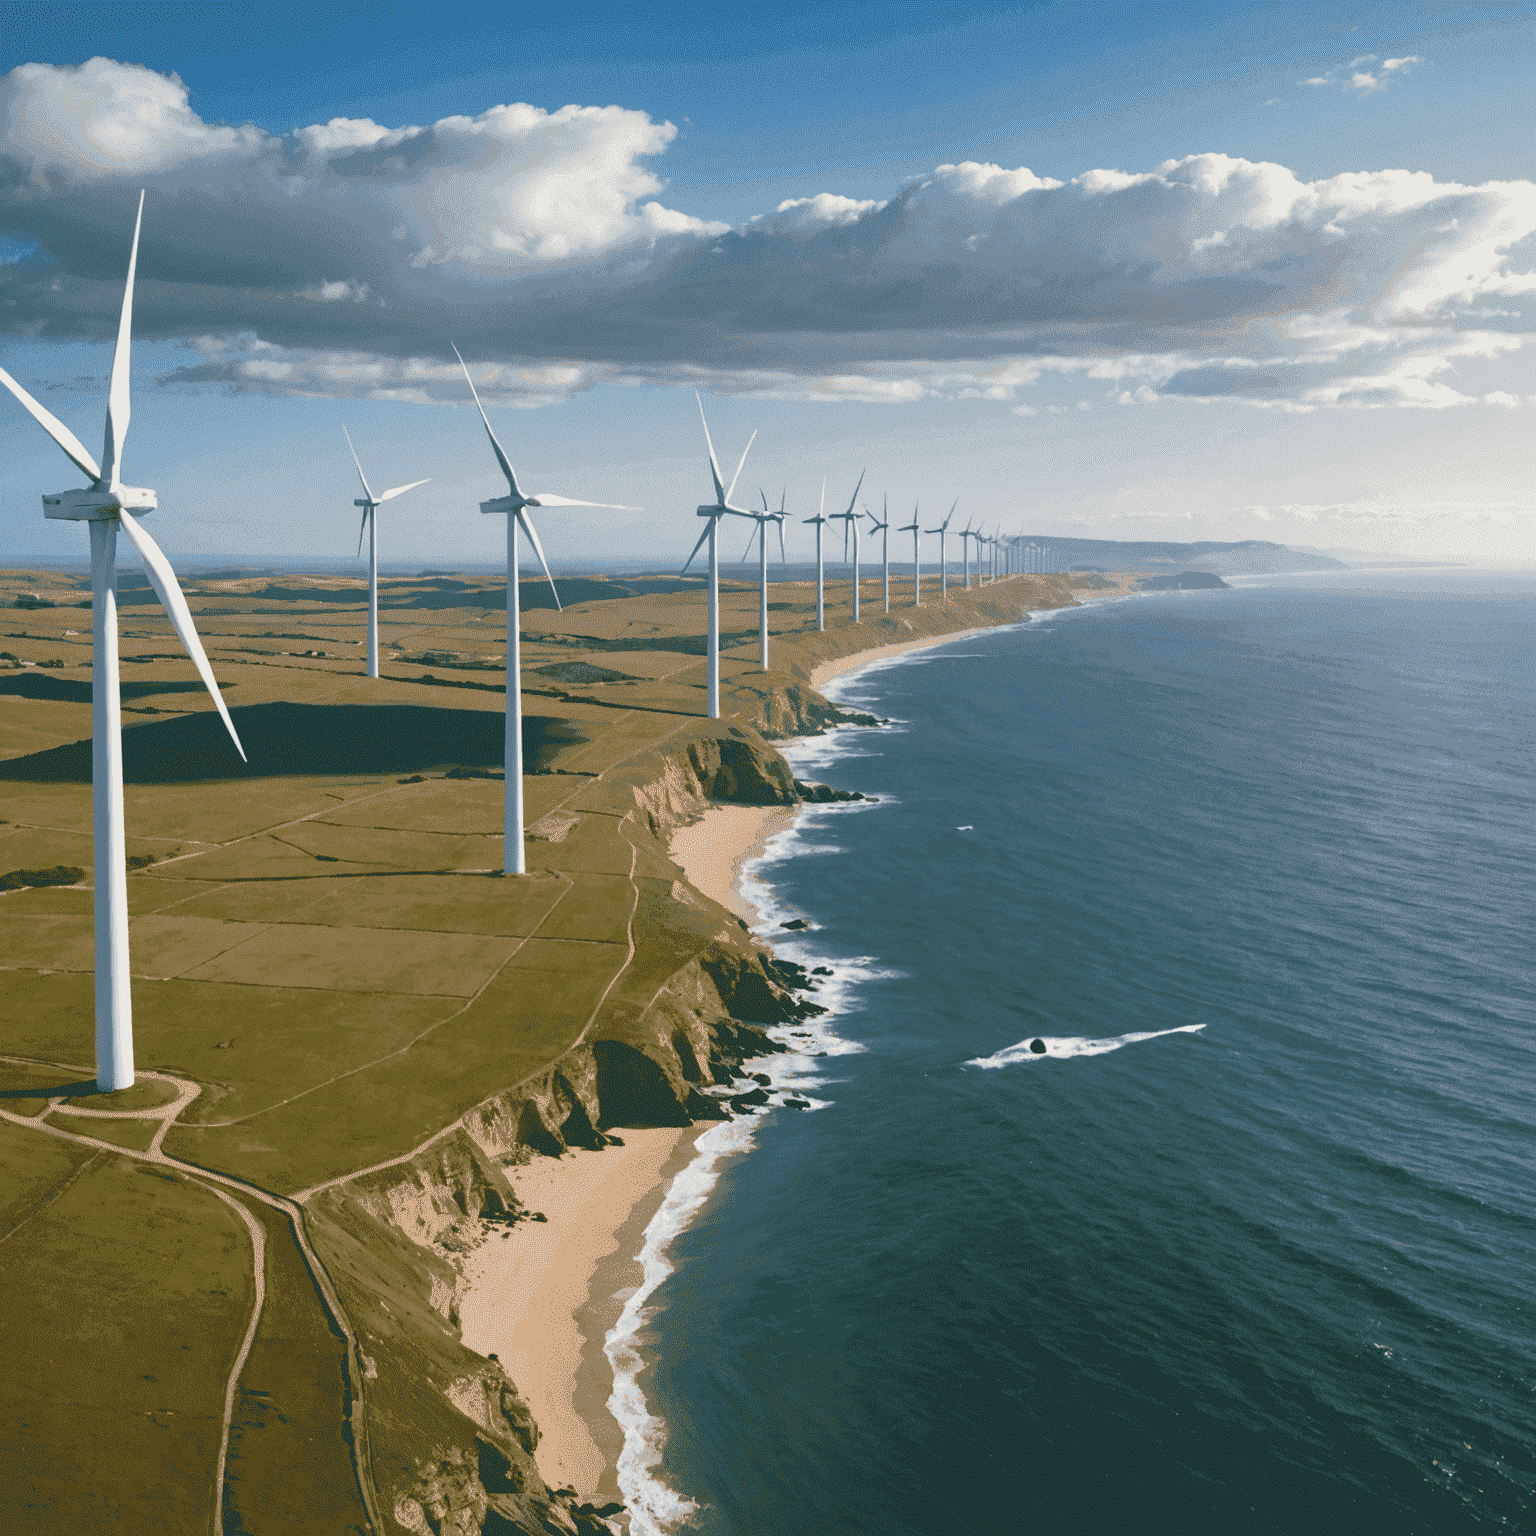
[(748, 550), (845, 540), (400, 490), (361, 530), (360, 475), (533, 538), (764, 494), (952, 511), (549, 499), (697, 547), (783, 558), (163, 579), (855, 495), (740, 466), (714, 465), (501, 458), (118, 404), (54, 428)]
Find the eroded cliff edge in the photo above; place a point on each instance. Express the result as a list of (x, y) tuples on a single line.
[(447, 1441)]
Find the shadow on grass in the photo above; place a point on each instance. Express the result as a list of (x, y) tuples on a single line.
[(72, 1090), (291, 740), (71, 690)]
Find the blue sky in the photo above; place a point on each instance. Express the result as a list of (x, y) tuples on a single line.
[(1224, 349)]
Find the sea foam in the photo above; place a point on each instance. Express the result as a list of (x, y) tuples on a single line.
[(1064, 1047)]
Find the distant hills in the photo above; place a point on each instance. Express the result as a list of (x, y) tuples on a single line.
[(1251, 557)]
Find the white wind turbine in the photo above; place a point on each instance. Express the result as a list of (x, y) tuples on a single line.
[(850, 520), (917, 570), (884, 530), (515, 508), (370, 505), (105, 508), (760, 533), (966, 535), (821, 520), (714, 512), (941, 530)]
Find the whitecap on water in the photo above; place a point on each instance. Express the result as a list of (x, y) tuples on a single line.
[(1064, 1047)]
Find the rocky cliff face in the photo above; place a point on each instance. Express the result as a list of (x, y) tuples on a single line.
[(450, 1440)]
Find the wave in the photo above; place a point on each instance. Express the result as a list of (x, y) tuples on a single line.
[(1064, 1047)]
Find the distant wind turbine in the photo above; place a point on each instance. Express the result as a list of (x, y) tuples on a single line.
[(966, 535), (760, 533), (515, 508), (941, 530), (105, 508), (884, 530), (821, 520), (917, 570), (370, 505), (850, 520), (714, 512)]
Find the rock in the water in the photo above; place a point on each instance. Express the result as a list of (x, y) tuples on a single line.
[(1038, 1047), (795, 924), (795, 1103)]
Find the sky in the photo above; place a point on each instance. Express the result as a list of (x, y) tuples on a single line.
[(1100, 270)]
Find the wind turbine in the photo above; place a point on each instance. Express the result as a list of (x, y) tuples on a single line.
[(370, 505), (966, 535), (760, 533), (821, 520), (515, 508), (941, 530), (884, 530), (105, 508), (850, 519), (917, 571), (714, 512)]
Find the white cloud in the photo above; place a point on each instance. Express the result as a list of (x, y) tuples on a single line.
[(340, 258), (1364, 82)]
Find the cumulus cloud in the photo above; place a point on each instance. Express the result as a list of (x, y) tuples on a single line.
[(340, 259), (1366, 81)]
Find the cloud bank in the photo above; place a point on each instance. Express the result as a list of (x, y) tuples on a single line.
[(340, 258)]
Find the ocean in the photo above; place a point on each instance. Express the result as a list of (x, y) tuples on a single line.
[(1250, 1246)]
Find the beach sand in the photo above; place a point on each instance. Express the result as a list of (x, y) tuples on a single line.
[(542, 1297), (713, 849)]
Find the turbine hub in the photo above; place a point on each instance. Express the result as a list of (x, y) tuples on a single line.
[(99, 506), (506, 505)]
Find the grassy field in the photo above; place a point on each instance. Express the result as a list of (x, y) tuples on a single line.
[(323, 954)]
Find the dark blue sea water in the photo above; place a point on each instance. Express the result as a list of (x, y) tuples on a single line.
[(1276, 1275)]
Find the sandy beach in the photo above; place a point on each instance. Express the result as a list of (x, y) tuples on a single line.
[(713, 849), (542, 1297)]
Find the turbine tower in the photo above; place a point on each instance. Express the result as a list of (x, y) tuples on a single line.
[(105, 507), (941, 530), (917, 570), (821, 520), (515, 508), (884, 530), (370, 505), (966, 535), (760, 533), (714, 513), (850, 519)]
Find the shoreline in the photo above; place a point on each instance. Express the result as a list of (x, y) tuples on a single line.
[(545, 1297), (542, 1297)]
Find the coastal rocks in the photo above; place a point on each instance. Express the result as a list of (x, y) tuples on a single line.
[(633, 1089), (822, 794), (795, 925)]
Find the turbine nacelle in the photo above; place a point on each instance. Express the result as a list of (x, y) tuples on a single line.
[(99, 506), (509, 506)]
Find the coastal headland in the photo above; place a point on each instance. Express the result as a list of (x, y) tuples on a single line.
[(264, 1289)]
